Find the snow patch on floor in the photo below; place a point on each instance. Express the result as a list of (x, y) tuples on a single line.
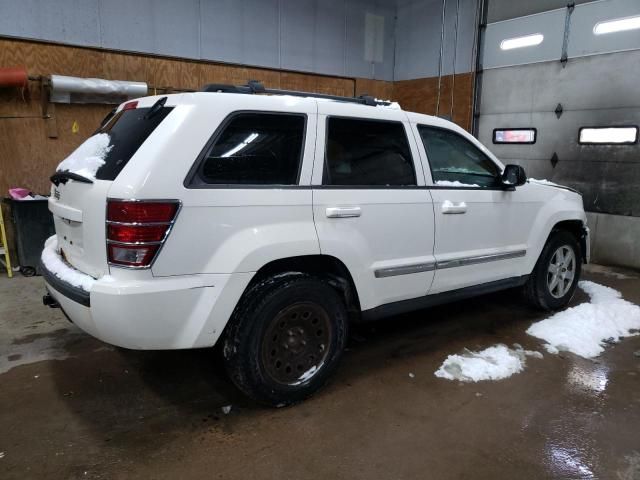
[(88, 157), (585, 329), (493, 363), (60, 269)]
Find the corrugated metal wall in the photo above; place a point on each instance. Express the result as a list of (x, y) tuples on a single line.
[(419, 32), (377, 39), (336, 37)]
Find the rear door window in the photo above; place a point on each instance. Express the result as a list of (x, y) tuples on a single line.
[(367, 152), (256, 149), (128, 130)]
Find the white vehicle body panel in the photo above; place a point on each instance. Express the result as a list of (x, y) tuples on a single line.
[(394, 228), (494, 223), (78, 217), (396, 243)]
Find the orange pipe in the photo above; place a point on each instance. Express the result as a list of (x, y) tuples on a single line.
[(13, 77)]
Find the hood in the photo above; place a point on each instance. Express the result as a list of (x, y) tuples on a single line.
[(547, 183)]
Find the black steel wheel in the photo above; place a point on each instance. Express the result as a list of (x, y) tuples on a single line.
[(285, 338), (296, 343)]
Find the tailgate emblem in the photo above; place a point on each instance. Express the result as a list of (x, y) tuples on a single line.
[(56, 194)]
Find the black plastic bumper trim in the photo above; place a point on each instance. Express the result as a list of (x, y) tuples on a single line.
[(72, 292)]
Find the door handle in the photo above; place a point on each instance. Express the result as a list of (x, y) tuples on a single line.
[(343, 212), (453, 208)]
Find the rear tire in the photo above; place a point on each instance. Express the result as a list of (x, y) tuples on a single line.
[(285, 338), (553, 281)]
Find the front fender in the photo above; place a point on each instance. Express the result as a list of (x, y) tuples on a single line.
[(562, 206)]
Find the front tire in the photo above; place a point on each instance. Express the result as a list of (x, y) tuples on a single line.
[(555, 277), (285, 338)]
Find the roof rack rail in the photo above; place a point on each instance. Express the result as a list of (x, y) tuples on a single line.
[(256, 87)]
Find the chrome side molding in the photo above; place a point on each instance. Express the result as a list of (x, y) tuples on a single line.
[(458, 262), (462, 262), (405, 270)]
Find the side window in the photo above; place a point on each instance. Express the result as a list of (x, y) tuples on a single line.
[(256, 149), (367, 152), (454, 160)]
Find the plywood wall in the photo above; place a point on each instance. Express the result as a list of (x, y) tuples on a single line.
[(380, 89), (28, 156), (455, 99)]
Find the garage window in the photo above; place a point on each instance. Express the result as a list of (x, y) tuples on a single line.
[(455, 161), (256, 149), (608, 135), (515, 135), (367, 153)]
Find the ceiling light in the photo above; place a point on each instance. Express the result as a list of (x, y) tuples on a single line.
[(520, 42), (617, 25)]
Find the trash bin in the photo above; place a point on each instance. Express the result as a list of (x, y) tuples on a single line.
[(33, 225)]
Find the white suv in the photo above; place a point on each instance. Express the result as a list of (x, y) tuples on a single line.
[(269, 220)]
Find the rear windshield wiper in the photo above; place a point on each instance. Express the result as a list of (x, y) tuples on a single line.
[(63, 177), (155, 108)]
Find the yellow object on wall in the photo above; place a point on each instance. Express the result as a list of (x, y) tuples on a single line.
[(4, 250)]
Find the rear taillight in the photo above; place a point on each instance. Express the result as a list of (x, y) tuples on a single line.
[(136, 230)]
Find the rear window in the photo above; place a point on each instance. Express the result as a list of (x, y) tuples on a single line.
[(256, 149), (128, 130)]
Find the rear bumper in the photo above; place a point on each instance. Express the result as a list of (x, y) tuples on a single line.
[(153, 314), (76, 294)]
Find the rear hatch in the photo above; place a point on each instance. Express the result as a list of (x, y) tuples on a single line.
[(82, 181)]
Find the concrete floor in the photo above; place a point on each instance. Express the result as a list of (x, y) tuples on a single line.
[(73, 407)]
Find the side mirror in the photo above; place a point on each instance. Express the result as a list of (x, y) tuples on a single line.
[(513, 176)]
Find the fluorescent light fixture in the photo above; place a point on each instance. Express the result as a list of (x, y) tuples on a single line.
[(240, 146), (617, 25), (520, 42), (514, 135), (608, 135)]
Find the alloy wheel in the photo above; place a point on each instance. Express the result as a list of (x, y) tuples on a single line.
[(561, 271)]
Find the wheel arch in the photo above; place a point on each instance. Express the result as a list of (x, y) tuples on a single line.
[(555, 217), (327, 267), (576, 228)]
